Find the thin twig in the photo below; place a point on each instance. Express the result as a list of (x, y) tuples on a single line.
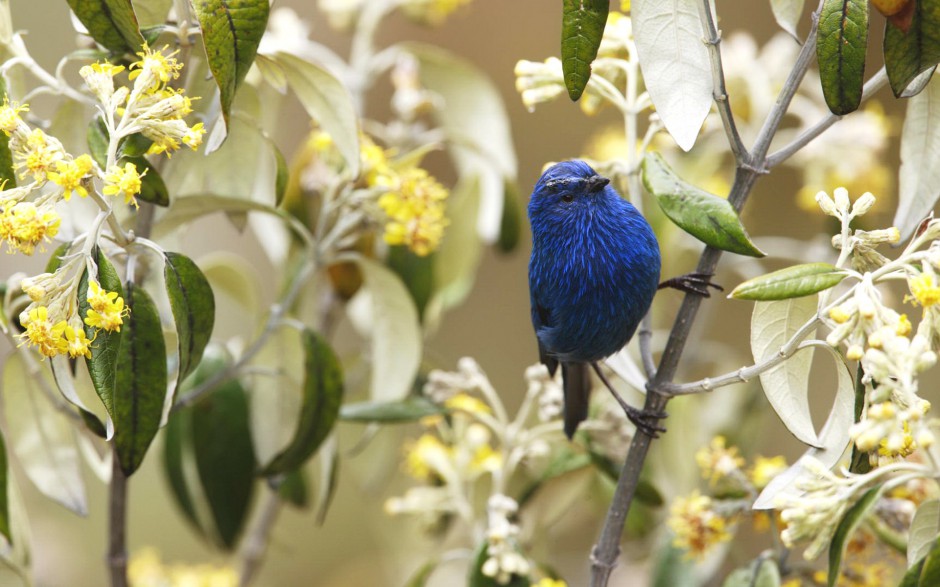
[(256, 542), (749, 167), (117, 524), (719, 91)]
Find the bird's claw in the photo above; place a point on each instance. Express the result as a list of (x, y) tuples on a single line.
[(646, 421), (693, 283)]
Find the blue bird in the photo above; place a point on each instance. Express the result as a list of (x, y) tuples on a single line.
[(592, 276)]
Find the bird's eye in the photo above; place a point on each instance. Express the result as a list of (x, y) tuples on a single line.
[(567, 198)]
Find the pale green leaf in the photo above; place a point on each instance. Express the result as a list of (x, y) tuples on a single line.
[(786, 386), (410, 409), (276, 396), (792, 282), (384, 311), (787, 13), (40, 436), (475, 121), (762, 572), (919, 175), (925, 526), (675, 64)]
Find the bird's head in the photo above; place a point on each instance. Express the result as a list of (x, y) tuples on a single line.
[(567, 189)]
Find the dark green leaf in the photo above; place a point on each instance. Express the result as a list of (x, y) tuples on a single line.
[(231, 31), (647, 493), (97, 136), (225, 458), (847, 526), (105, 345), (582, 28), (135, 145), (409, 409), (152, 188), (193, 306), (281, 177), (111, 23), (912, 576), (909, 54), (842, 38), (140, 382), (294, 490), (4, 498), (707, 217), (6, 156), (930, 573), (322, 396), (177, 445), (415, 271), (791, 282), (55, 261), (421, 576), (510, 225), (476, 577)]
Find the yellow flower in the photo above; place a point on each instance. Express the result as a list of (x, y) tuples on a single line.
[(431, 11), (124, 181), (924, 289), (100, 79), (549, 582), (839, 315), (718, 461), (697, 527), (145, 569), (765, 469), (107, 308), (43, 334), (467, 403), (36, 155), (424, 458), (24, 226), (485, 459), (10, 116), (154, 70), (167, 135), (78, 344), (414, 205), (904, 325), (69, 175)]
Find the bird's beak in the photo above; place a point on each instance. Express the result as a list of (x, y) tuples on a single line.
[(595, 183)]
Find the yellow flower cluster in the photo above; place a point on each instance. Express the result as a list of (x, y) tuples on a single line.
[(696, 524), (24, 226), (123, 182), (718, 461), (415, 208), (145, 569)]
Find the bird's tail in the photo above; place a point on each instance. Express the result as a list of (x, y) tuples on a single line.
[(577, 385)]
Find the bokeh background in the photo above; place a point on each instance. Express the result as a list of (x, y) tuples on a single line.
[(358, 545)]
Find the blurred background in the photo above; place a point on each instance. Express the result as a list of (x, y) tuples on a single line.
[(358, 544)]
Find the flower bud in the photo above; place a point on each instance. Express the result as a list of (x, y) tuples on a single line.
[(863, 204), (826, 204), (841, 196)]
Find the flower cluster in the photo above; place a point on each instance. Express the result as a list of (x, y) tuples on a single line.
[(697, 525), (474, 446), (145, 569), (891, 353)]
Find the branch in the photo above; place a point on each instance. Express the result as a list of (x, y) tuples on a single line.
[(749, 167), (256, 542), (719, 91), (875, 83), (117, 524)]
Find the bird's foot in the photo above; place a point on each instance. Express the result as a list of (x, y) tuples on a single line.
[(692, 283), (646, 421)]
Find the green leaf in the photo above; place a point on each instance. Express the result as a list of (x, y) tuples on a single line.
[(293, 489), (410, 409), (225, 458), (177, 446), (98, 141), (762, 572), (907, 55), (152, 188), (421, 576), (925, 526), (328, 461), (673, 569), (792, 282), (231, 31), (912, 576), (55, 260), (847, 526), (510, 226), (476, 577), (4, 498), (322, 396), (111, 23), (140, 383), (920, 160), (326, 100), (842, 38), (582, 27), (6, 156), (566, 461), (707, 217), (926, 573), (105, 345), (193, 306), (281, 176), (416, 272)]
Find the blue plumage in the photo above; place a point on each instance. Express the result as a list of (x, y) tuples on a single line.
[(592, 276)]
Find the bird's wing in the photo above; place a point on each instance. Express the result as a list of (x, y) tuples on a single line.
[(541, 319)]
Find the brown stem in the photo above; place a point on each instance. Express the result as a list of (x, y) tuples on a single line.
[(117, 525)]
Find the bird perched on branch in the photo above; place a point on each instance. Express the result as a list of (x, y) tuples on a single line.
[(592, 276)]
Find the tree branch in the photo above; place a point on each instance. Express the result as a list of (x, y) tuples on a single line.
[(749, 167), (719, 91), (256, 542), (117, 524)]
